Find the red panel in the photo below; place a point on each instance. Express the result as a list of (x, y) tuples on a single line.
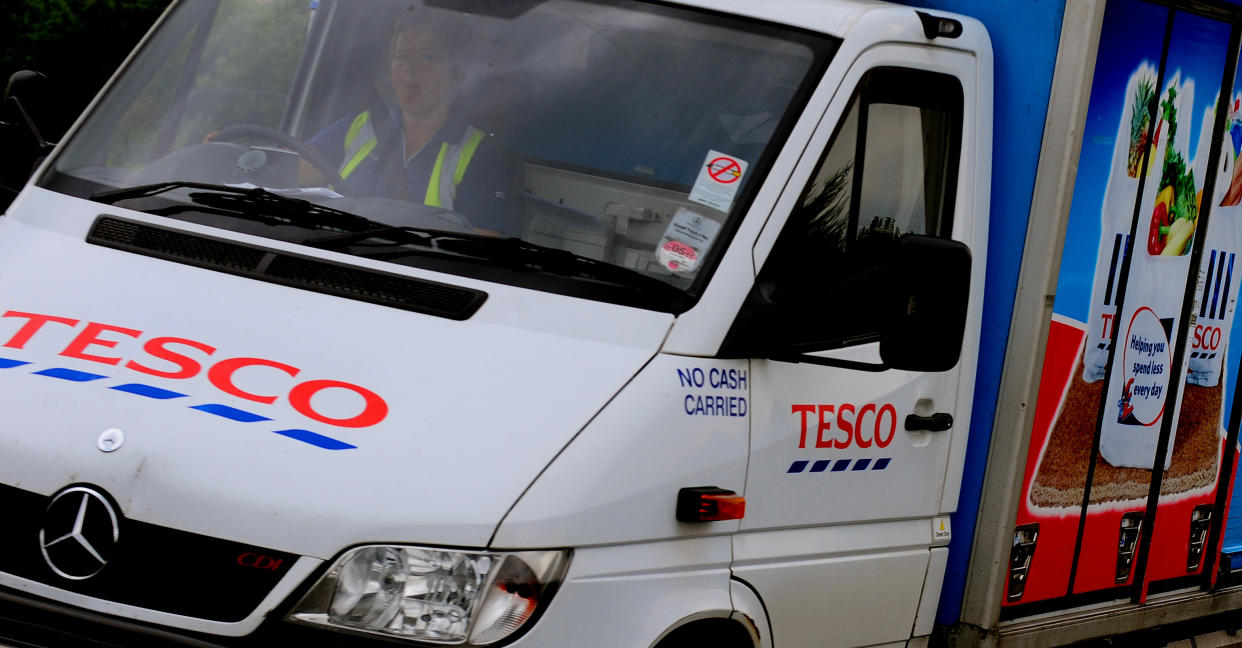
[(1097, 566), (1170, 546), (1048, 577)]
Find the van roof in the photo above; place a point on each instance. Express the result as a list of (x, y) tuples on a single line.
[(829, 16)]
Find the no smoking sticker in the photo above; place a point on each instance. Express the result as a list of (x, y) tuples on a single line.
[(718, 180), (724, 170)]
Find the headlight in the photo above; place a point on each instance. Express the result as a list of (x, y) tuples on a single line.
[(433, 595)]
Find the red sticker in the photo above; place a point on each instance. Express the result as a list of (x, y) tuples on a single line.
[(678, 254), (724, 170)]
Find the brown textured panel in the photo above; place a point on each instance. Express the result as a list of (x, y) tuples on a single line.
[(1062, 472)]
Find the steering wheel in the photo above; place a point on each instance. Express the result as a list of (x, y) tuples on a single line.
[(237, 131)]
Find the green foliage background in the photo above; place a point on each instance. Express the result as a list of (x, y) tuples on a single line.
[(76, 43)]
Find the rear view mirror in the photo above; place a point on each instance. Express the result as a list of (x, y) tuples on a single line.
[(926, 304)]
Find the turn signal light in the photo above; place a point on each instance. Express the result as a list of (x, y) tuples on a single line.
[(709, 504)]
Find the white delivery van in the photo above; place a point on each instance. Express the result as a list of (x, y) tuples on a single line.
[(602, 322), (254, 409)]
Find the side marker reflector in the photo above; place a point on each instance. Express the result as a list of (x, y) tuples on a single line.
[(709, 504)]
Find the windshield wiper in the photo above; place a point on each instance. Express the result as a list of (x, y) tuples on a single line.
[(254, 204), (510, 253), (389, 242)]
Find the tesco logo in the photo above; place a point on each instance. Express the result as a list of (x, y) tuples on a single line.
[(862, 427), (181, 359), (1207, 337)]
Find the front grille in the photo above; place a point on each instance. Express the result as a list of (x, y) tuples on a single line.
[(154, 567), (304, 273)]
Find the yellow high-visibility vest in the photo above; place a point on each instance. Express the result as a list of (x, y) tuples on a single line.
[(446, 174)]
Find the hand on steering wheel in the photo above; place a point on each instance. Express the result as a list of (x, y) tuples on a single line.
[(237, 131)]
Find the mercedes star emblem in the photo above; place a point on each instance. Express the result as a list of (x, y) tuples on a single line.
[(80, 531)]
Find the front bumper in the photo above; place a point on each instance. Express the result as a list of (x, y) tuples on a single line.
[(623, 596)]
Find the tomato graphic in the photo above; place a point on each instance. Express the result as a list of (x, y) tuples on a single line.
[(1155, 237)]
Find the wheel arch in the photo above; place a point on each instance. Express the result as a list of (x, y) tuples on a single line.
[(747, 626)]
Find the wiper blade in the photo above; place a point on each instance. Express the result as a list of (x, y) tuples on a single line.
[(112, 196), (510, 253), (398, 234), (254, 203)]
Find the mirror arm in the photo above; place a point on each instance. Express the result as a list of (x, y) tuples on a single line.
[(24, 81), (34, 130)]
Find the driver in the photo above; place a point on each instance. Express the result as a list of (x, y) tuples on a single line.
[(423, 149)]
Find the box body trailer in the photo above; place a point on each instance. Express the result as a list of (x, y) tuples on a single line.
[(1130, 540)]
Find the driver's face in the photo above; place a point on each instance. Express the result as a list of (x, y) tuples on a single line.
[(421, 73)]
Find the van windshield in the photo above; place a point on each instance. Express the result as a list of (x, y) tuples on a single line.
[(621, 133)]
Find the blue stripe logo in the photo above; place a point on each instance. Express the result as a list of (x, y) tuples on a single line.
[(839, 465), (157, 393), (1213, 300)]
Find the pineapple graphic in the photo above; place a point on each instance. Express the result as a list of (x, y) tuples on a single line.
[(1140, 124)]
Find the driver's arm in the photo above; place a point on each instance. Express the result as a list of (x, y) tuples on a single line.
[(309, 176), (330, 143), (482, 196)]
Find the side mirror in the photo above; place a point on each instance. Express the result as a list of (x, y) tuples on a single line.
[(928, 299), (20, 138), (912, 298)]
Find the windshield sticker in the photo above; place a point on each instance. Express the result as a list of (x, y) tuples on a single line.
[(685, 241), (718, 180)]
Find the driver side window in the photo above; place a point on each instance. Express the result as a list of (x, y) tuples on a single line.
[(889, 170)]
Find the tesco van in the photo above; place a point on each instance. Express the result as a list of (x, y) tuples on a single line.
[(622, 323)]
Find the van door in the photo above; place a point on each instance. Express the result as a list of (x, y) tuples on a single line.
[(848, 462)]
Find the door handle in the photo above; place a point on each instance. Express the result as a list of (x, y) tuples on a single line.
[(938, 422)]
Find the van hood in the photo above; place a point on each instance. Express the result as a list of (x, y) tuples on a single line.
[(280, 417)]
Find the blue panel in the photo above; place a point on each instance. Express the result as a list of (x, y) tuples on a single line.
[(821, 465), (69, 374), (1132, 38), (841, 465), (881, 464), (148, 391), (231, 413), (1233, 527), (318, 440), (862, 464), (6, 363), (1232, 540), (1024, 42), (797, 466)]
